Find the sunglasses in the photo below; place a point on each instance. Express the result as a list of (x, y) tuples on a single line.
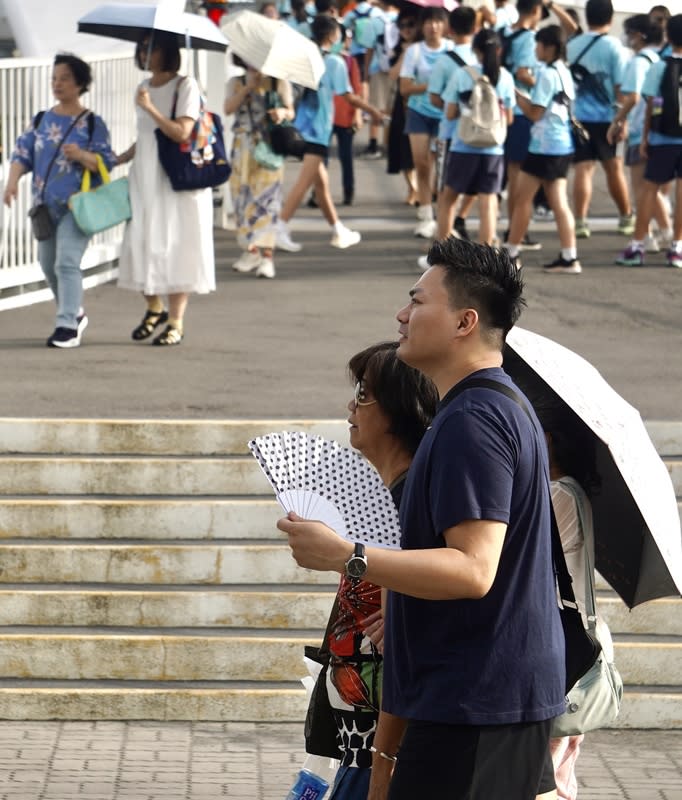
[(360, 396)]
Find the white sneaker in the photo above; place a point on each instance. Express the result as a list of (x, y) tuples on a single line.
[(426, 229), (247, 261), (283, 239), (423, 263), (651, 244), (344, 238), (266, 268)]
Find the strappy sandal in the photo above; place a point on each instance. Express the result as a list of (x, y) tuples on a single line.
[(169, 336), (150, 321)]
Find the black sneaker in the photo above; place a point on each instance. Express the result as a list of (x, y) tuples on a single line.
[(64, 338), (529, 244), (460, 229), (567, 266)]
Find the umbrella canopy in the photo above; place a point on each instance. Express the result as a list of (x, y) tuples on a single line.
[(274, 48), (448, 5), (131, 22), (638, 546)]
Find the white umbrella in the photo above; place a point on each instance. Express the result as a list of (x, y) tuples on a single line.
[(638, 545), (131, 22), (274, 48)]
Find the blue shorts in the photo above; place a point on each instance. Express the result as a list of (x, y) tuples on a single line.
[(420, 123), (664, 163), (469, 173), (518, 139)]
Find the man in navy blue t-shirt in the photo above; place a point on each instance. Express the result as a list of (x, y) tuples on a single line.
[(474, 651)]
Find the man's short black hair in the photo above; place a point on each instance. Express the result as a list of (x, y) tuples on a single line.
[(651, 31), (434, 13), (322, 27), (598, 13), (525, 7), (484, 278), (463, 20), (405, 395), (674, 29), (82, 74), (324, 6)]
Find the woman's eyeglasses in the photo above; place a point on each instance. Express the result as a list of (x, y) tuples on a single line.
[(361, 396)]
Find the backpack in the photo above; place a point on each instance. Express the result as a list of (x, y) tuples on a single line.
[(483, 123), (586, 82), (666, 118), (363, 28), (507, 40)]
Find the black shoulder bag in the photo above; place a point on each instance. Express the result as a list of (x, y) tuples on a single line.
[(585, 81), (42, 224), (582, 649), (581, 135)]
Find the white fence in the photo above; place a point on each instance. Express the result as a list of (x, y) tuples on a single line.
[(25, 90)]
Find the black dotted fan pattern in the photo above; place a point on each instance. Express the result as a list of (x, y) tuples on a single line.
[(319, 479)]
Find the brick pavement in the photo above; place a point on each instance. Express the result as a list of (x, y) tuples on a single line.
[(257, 761)]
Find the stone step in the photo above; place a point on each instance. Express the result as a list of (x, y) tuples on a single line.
[(155, 564), (643, 707), (152, 437), (221, 654), (85, 653), (201, 437), (250, 607), (117, 475), (127, 518), (190, 607)]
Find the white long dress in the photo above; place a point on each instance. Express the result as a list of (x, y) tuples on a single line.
[(168, 243)]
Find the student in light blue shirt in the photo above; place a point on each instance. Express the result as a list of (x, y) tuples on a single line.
[(476, 170), (423, 117), (662, 146), (462, 26), (550, 150), (644, 37), (314, 121), (597, 63)]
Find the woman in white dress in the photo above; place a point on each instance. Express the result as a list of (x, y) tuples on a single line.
[(167, 249)]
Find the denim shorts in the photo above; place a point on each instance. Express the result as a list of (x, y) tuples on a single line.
[(633, 156), (420, 123), (518, 139)]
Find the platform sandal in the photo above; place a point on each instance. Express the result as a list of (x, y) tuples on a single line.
[(150, 321), (169, 336)]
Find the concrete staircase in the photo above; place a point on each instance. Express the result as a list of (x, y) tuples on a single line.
[(142, 577)]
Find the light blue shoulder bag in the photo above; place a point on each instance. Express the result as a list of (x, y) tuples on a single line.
[(99, 209)]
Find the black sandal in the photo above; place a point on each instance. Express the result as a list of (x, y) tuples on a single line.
[(169, 336), (150, 321)]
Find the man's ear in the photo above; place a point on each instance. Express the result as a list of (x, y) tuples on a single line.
[(467, 321)]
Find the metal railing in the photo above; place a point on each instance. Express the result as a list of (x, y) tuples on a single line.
[(25, 90)]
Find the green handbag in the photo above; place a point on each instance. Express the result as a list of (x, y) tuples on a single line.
[(99, 209), (265, 156)]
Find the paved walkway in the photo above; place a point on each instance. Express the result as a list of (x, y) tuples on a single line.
[(245, 761)]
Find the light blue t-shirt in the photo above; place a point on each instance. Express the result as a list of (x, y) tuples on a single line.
[(505, 16), (315, 114), (384, 24), (521, 56), (633, 80), (462, 83), (652, 88), (302, 27), (368, 16), (418, 64), (551, 134), (443, 70), (605, 61)]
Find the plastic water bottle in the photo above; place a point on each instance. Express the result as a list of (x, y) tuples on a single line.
[(310, 785)]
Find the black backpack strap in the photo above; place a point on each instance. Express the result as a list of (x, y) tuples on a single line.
[(37, 120), (645, 56), (91, 125), (590, 44), (456, 58)]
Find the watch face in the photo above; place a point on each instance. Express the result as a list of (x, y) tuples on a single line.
[(356, 567)]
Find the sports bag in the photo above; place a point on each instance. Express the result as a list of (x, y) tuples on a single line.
[(200, 161), (362, 26), (102, 208), (666, 114), (506, 57), (482, 122), (586, 83)]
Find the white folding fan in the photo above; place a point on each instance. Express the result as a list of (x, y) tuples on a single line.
[(319, 479)]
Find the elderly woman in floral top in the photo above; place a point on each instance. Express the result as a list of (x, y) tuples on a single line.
[(58, 145)]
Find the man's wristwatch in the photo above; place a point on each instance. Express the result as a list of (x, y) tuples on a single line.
[(356, 566)]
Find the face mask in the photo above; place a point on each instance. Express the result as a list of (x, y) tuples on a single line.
[(337, 47)]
